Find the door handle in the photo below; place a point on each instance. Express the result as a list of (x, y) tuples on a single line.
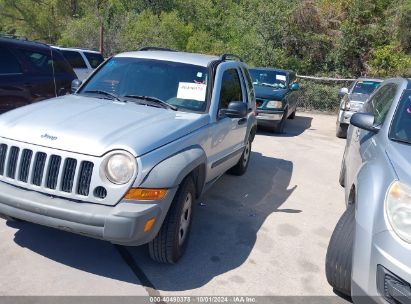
[(242, 121)]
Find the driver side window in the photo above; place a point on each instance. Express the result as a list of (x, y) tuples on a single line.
[(230, 88), (381, 102)]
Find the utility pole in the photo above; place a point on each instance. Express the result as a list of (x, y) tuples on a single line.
[(101, 37)]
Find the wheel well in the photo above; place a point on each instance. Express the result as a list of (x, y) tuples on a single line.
[(198, 176), (351, 197), (252, 133)]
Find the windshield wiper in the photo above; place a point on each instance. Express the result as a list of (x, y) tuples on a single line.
[(101, 92), (153, 99)]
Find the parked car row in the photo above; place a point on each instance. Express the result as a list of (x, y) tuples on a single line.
[(33, 71)]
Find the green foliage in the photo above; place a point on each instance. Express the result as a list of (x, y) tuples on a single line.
[(318, 37)]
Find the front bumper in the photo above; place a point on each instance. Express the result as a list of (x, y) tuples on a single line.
[(385, 251), (121, 224), (269, 118)]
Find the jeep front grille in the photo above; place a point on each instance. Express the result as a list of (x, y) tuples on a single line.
[(49, 171)]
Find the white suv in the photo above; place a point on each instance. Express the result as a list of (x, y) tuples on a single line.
[(83, 61)]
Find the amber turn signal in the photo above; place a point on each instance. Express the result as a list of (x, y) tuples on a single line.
[(149, 224), (145, 194)]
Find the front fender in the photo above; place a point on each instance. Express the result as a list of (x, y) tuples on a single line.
[(170, 172)]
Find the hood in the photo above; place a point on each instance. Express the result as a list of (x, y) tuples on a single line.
[(94, 126), (269, 93), (399, 155), (358, 97)]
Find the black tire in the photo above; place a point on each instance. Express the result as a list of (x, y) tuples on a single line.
[(292, 115), (169, 245), (241, 167), (280, 127), (338, 261), (341, 131)]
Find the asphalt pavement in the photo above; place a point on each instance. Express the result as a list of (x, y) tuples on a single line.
[(265, 233)]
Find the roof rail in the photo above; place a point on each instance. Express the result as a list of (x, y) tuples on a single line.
[(11, 36), (155, 48), (228, 56)]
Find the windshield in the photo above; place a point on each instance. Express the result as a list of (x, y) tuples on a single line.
[(94, 59), (273, 79), (401, 125), (365, 87), (179, 84)]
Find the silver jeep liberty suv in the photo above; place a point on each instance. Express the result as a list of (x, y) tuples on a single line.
[(125, 157)]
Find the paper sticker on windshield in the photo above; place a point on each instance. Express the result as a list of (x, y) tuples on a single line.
[(194, 91), (281, 77)]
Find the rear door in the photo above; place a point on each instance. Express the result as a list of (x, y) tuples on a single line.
[(39, 75), (13, 89)]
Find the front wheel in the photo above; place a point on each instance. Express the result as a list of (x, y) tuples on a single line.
[(241, 167), (338, 261), (171, 241), (292, 115)]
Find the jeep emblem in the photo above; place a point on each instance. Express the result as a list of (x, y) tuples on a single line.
[(46, 136)]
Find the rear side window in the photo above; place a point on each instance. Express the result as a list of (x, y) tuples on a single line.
[(39, 61), (61, 66), (75, 59), (8, 62), (250, 83), (94, 59), (230, 88)]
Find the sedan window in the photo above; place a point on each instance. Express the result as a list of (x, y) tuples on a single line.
[(401, 125)]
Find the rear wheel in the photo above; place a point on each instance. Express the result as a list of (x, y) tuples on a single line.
[(241, 167), (171, 241), (338, 261)]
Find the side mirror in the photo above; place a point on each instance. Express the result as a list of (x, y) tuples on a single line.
[(342, 92), (75, 84), (236, 109), (295, 86), (364, 121)]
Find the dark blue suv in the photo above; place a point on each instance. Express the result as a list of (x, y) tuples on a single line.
[(276, 96)]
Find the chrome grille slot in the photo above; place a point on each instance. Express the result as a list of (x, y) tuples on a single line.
[(3, 153), (25, 162), (57, 173), (39, 163), (69, 171), (53, 172), (86, 170), (12, 162)]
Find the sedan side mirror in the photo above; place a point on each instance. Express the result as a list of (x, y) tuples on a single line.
[(236, 109), (75, 84), (342, 92), (295, 86), (364, 121)]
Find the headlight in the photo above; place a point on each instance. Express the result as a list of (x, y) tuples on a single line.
[(120, 168), (398, 208), (272, 104)]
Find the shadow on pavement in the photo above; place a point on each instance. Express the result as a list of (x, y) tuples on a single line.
[(225, 226), (224, 232), (293, 127)]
